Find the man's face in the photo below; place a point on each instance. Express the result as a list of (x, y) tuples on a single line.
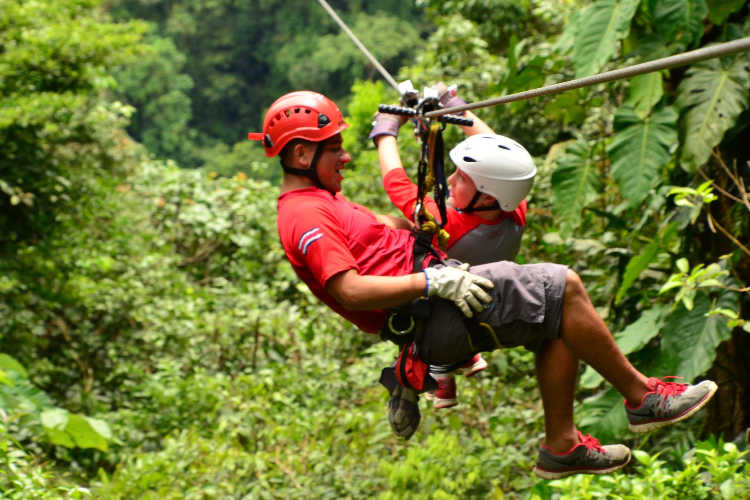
[(332, 160)]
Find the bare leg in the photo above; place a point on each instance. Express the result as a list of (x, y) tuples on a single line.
[(557, 372), (589, 339)]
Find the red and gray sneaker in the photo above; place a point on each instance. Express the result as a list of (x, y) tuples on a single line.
[(587, 457), (445, 395), (668, 402), (474, 365)]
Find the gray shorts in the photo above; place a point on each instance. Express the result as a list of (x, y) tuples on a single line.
[(525, 311)]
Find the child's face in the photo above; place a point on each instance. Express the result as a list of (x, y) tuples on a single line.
[(462, 189)]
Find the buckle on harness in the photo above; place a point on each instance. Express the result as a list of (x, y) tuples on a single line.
[(394, 330)]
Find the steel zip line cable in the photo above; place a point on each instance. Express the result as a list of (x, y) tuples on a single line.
[(359, 44), (722, 49)]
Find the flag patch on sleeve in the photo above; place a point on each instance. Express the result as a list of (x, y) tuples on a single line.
[(307, 238)]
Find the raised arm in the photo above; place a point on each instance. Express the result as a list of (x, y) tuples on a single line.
[(449, 99), (388, 154)]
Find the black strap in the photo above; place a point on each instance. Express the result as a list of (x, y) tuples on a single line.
[(471, 208), (312, 172)]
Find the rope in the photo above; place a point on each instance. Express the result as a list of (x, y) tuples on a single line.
[(359, 44), (720, 50)]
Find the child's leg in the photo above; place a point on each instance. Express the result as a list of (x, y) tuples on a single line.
[(445, 395)]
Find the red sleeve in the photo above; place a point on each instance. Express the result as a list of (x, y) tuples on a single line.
[(319, 243), (403, 193), (519, 214)]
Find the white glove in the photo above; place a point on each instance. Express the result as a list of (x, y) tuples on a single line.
[(466, 290)]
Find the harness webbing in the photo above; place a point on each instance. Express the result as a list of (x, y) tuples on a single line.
[(431, 176)]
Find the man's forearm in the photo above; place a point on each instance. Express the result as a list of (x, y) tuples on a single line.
[(365, 293)]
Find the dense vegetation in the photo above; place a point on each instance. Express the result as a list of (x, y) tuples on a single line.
[(154, 343)]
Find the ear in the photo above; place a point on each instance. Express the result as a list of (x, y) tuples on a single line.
[(301, 155)]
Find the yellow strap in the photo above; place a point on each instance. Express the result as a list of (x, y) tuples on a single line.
[(492, 332), (489, 329)]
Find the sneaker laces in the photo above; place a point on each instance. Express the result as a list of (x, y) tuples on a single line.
[(664, 388), (590, 442)]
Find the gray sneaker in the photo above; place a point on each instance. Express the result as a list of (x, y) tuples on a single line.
[(587, 457), (668, 402)]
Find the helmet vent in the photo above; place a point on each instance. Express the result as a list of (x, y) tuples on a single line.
[(502, 146), (469, 159), (323, 120)]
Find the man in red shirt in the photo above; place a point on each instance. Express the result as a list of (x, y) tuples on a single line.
[(361, 265)]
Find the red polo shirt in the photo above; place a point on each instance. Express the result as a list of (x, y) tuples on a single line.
[(324, 235)]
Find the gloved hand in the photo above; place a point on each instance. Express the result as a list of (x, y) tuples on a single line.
[(448, 98), (457, 284), (387, 124), (403, 411)]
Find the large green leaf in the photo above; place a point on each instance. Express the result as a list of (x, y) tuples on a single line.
[(640, 149), (575, 182), (690, 338), (71, 430), (602, 25), (681, 19), (10, 364), (645, 91), (711, 97)]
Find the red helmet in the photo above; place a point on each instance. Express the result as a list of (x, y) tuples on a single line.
[(299, 115)]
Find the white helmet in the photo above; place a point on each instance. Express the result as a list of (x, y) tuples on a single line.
[(498, 165)]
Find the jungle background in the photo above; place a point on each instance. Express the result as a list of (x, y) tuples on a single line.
[(154, 342)]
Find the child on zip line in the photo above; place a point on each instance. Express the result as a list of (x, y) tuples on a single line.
[(480, 230), (362, 266)]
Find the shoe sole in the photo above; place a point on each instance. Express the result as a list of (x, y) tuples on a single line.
[(475, 368), (547, 474), (439, 403), (656, 424)]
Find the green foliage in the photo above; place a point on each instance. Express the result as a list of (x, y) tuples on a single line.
[(157, 87), (602, 25), (23, 402), (711, 97), (679, 19), (719, 10), (712, 470), (53, 129), (640, 148), (241, 56), (576, 182), (157, 301), (21, 477), (648, 254), (645, 91)]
